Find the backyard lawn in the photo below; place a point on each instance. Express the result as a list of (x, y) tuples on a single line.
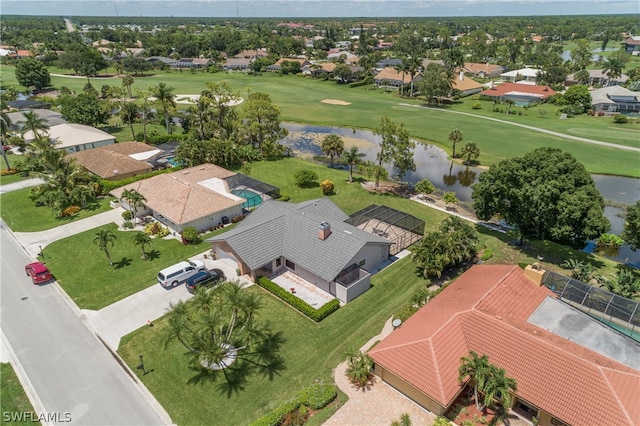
[(21, 214), (93, 284)]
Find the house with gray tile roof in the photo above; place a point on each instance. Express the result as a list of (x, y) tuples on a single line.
[(310, 239)]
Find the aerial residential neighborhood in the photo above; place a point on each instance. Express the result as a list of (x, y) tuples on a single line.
[(320, 215)]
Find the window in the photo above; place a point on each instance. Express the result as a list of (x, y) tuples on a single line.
[(362, 262), (278, 262), (290, 264)]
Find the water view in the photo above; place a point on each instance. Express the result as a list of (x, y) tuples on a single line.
[(433, 163)]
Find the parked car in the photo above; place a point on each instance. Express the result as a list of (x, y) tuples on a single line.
[(204, 279), (38, 272), (175, 274)]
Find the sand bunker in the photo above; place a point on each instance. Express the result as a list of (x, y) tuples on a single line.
[(335, 102)]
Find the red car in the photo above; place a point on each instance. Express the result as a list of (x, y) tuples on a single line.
[(38, 272)]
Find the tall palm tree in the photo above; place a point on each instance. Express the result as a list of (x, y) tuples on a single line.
[(105, 238), (413, 66), (475, 368), (455, 136), (32, 122), (499, 384), (5, 124), (141, 239), (352, 157), (164, 97), (403, 68), (613, 67), (134, 199), (333, 146), (127, 82), (129, 115)]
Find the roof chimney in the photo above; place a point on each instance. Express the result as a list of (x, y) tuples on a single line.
[(324, 230)]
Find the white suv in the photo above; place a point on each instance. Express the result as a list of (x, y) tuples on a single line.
[(173, 275)]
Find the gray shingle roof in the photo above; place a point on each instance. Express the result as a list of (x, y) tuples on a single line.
[(291, 230)]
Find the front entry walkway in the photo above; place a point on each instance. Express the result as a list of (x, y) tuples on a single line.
[(378, 404)]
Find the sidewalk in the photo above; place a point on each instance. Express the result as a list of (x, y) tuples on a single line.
[(378, 404), (27, 183), (32, 241)]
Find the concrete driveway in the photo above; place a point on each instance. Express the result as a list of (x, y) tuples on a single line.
[(142, 308)]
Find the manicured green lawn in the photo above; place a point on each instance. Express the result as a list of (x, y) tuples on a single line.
[(17, 177), (93, 284), (311, 352), (21, 214), (300, 98), (12, 396)]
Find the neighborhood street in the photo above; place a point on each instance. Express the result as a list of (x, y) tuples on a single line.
[(69, 370)]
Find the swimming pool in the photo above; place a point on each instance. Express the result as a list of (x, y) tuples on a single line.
[(253, 199)]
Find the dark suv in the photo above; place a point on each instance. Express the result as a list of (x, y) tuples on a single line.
[(204, 279)]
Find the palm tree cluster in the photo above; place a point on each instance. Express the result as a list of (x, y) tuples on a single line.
[(359, 366), (134, 199), (489, 380), (221, 330), (453, 243)]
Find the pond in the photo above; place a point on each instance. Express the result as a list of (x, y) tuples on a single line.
[(433, 163)]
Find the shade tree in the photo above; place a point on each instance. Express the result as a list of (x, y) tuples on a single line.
[(396, 149)]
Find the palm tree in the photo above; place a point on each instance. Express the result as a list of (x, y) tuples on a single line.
[(470, 152), (5, 124), (359, 367), (224, 336), (455, 136), (32, 122), (105, 238), (127, 82), (134, 199), (141, 239), (476, 368), (164, 96), (402, 67), (613, 67), (333, 146), (129, 115), (413, 66), (500, 385), (353, 157)]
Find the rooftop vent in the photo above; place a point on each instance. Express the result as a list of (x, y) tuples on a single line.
[(324, 230)]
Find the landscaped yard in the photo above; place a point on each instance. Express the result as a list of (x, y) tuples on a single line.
[(13, 398), (21, 214), (93, 284), (311, 352)]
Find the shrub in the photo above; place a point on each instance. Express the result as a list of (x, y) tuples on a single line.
[(486, 255), (305, 177), (190, 235), (364, 82), (156, 229), (284, 197), (127, 215), (476, 105), (237, 218), (6, 172), (610, 240), (70, 211), (620, 119), (315, 314), (327, 187), (109, 185), (127, 224), (315, 397)]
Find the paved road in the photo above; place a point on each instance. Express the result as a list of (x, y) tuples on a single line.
[(69, 25), (536, 129), (68, 368)]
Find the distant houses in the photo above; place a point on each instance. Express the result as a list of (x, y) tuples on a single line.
[(524, 94)]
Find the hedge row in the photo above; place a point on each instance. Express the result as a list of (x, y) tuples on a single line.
[(315, 314), (160, 139), (368, 80), (315, 397), (109, 185)]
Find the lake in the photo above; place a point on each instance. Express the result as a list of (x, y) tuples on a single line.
[(433, 163)]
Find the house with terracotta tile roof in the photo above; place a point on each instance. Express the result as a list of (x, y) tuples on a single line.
[(465, 85), (569, 367), (520, 93), (201, 196), (278, 65), (483, 70), (390, 78), (118, 161), (237, 64)]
